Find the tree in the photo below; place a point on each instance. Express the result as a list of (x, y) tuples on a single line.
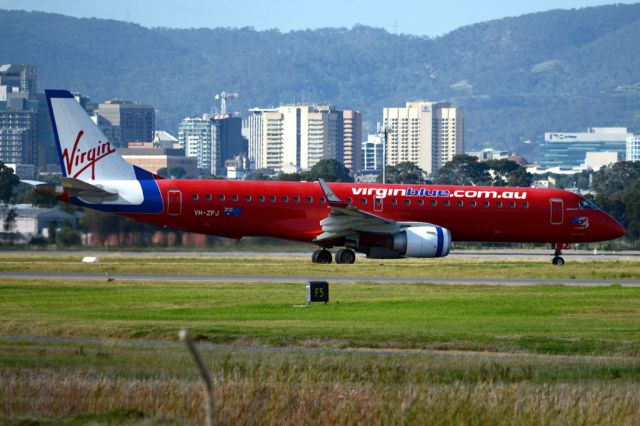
[(617, 189), (9, 222), (508, 173), (67, 236), (260, 174), (405, 172), (8, 182), (464, 169), (330, 170), (289, 177), (172, 172)]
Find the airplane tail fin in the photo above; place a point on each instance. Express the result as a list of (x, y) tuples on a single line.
[(94, 173), (84, 151)]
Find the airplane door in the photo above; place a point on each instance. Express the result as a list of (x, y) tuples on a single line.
[(378, 204), (557, 211), (174, 201)]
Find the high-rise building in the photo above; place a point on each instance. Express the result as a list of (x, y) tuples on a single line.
[(212, 140), (124, 122), (195, 136), (425, 133), (633, 148), (17, 79), (254, 132), (570, 149), (228, 140), (19, 109), (352, 149), (299, 136), (372, 154)]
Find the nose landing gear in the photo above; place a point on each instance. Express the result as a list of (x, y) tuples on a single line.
[(557, 255)]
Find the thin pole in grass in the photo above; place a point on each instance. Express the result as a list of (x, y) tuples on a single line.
[(185, 336)]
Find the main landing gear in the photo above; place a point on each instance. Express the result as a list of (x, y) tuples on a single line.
[(557, 254), (342, 256)]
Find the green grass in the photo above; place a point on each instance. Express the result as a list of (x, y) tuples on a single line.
[(377, 354), (274, 265), (541, 319)]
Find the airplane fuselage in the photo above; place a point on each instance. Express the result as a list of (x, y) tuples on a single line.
[(293, 210)]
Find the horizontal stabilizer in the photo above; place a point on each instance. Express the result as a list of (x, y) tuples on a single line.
[(87, 191)]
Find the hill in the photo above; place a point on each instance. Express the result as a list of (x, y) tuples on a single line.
[(515, 77)]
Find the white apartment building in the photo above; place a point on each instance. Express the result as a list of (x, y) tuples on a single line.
[(425, 133), (299, 136)]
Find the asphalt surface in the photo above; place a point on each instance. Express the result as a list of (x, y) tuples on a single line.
[(82, 276), (630, 255)]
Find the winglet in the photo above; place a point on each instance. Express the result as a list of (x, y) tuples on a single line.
[(332, 198)]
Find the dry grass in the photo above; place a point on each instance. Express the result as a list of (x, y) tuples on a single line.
[(300, 400)]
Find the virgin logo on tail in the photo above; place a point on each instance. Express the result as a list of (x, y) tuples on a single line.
[(78, 161)]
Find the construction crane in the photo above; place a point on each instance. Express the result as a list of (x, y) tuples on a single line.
[(223, 96)]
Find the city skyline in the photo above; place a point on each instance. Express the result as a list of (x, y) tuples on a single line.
[(407, 17)]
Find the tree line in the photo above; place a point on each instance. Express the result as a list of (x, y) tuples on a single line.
[(615, 189)]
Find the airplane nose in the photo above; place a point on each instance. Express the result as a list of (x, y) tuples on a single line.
[(615, 229)]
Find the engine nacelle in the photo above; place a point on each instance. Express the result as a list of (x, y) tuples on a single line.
[(423, 241)]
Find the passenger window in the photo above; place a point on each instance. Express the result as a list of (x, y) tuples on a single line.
[(447, 203), (350, 200), (309, 200), (512, 204), (323, 200), (364, 201), (209, 197), (473, 203), (486, 204), (272, 198), (261, 198), (285, 199), (407, 202), (195, 196), (234, 198), (394, 202), (221, 197), (434, 203), (247, 197), (421, 202), (296, 199), (525, 205), (460, 203), (499, 204)]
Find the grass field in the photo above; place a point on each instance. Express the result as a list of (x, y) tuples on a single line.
[(281, 265), (107, 353)]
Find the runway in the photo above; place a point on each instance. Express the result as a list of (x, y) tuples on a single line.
[(297, 279), (626, 255)]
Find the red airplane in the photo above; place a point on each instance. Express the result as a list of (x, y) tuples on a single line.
[(381, 221)]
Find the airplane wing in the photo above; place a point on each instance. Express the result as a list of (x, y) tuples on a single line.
[(345, 219)]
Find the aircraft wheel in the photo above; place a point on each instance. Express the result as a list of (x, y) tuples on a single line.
[(559, 261), (324, 256), (345, 256), (314, 256)]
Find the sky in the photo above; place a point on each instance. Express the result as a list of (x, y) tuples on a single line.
[(417, 17)]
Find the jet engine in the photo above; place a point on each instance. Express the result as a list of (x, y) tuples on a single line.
[(416, 241)]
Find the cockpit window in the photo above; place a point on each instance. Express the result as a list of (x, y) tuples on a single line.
[(587, 204)]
